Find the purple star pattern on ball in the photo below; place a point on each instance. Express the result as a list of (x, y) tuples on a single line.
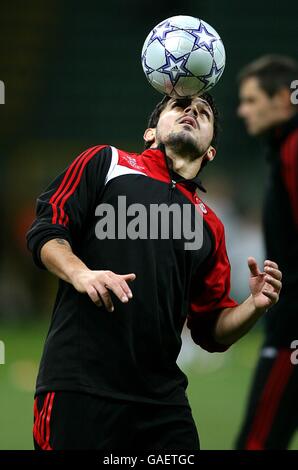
[(175, 68), (161, 31), (182, 56), (212, 77), (203, 38), (147, 68)]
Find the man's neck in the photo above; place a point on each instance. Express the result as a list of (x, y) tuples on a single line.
[(286, 116), (186, 167)]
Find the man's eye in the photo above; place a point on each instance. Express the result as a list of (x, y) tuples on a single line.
[(181, 104), (206, 113)]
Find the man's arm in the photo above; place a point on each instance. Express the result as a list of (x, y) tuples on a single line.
[(65, 206), (58, 257), (62, 212), (233, 323)]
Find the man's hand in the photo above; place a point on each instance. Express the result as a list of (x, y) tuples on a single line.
[(264, 286), (235, 322), (59, 259), (98, 283)]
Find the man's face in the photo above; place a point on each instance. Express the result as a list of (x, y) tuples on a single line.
[(259, 111), (186, 125)]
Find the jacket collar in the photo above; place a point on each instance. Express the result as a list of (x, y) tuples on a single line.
[(159, 155), (279, 133)]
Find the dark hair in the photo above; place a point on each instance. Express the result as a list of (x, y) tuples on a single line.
[(154, 117), (272, 71)]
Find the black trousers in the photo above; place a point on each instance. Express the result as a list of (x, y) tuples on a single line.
[(71, 420), (272, 410)]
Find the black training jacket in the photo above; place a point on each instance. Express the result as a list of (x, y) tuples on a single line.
[(130, 353), (281, 229)]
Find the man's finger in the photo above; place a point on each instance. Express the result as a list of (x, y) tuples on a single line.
[(273, 282), (276, 273), (114, 285), (118, 278), (128, 277), (125, 287), (94, 296), (253, 266), (272, 264), (105, 297), (271, 295)]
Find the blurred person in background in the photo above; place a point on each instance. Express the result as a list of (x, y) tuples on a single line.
[(268, 109), (108, 377)]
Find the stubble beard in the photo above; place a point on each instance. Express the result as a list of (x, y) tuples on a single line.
[(183, 143)]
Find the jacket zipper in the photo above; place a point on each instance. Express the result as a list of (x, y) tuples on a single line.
[(172, 186)]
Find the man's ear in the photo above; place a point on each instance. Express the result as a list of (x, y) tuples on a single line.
[(210, 154), (149, 135)]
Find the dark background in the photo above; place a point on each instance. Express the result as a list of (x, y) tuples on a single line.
[(73, 79)]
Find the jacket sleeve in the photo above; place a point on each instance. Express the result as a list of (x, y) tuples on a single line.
[(210, 294), (289, 169), (62, 210)]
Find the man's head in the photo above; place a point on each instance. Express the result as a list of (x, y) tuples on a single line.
[(187, 126), (265, 92)]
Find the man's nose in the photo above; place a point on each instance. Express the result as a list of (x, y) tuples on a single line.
[(191, 110)]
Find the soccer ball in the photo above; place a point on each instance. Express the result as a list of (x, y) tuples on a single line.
[(183, 56)]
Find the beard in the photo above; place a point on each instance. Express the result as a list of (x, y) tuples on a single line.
[(183, 144)]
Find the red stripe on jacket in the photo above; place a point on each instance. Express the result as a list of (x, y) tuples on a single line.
[(42, 419), (269, 401), (67, 187)]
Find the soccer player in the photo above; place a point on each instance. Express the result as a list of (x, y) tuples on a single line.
[(108, 377), (268, 108)]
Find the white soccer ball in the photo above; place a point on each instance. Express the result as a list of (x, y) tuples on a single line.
[(183, 56)]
